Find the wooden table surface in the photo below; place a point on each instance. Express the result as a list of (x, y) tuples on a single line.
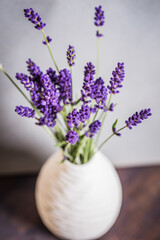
[(139, 218)]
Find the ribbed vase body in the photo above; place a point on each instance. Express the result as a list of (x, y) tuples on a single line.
[(78, 202)]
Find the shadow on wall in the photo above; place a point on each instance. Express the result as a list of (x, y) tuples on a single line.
[(18, 161)]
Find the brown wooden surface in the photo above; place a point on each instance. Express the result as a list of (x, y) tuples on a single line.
[(139, 218)]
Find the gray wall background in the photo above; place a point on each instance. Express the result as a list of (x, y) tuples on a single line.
[(131, 35)]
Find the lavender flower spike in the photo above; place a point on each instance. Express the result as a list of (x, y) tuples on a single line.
[(99, 20), (52, 75), (24, 79), (72, 137), (116, 80), (84, 113), (93, 128), (73, 119), (100, 93), (99, 16), (137, 118), (71, 55), (33, 69), (65, 88), (25, 111), (88, 83), (34, 18)]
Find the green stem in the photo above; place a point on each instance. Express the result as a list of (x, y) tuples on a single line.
[(95, 115), (86, 154), (61, 124), (109, 101), (44, 35), (78, 101), (47, 129), (80, 145), (101, 116), (90, 148), (66, 153), (105, 115), (111, 137), (71, 87), (71, 81), (98, 57)]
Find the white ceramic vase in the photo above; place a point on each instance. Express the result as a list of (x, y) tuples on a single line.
[(78, 202)]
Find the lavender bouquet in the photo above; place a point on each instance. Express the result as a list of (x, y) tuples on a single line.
[(74, 124)]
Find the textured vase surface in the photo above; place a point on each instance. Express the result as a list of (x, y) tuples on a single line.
[(78, 202)]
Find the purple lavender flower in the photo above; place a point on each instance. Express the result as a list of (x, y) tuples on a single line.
[(65, 88), (99, 93), (33, 69), (88, 83), (48, 40), (99, 20), (93, 89), (116, 80), (137, 118), (72, 137), (25, 111), (115, 132), (93, 128), (47, 120), (98, 34), (89, 72), (44, 95), (24, 79), (99, 16), (73, 119), (93, 109), (34, 18), (52, 75), (71, 55), (84, 113), (111, 107), (47, 100)]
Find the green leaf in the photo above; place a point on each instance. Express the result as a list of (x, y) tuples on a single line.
[(114, 124)]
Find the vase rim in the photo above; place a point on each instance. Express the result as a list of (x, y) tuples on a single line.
[(81, 165)]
